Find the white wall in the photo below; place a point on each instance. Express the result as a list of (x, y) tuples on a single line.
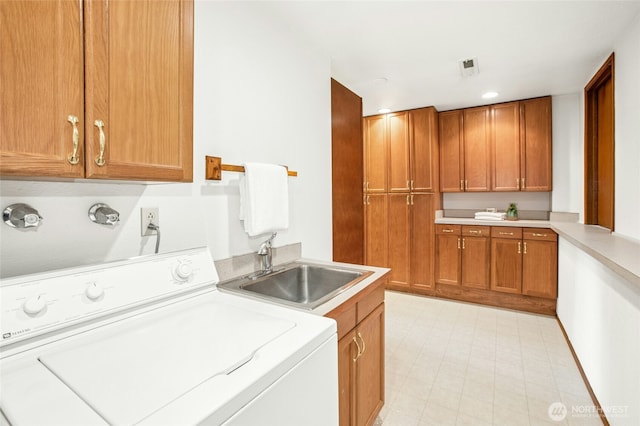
[(261, 94), (600, 312)]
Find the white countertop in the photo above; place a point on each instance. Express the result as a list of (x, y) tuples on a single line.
[(513, 223)]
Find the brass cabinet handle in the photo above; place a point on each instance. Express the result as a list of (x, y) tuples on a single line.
[(466, 185), (411, 199), (73, 158), (458, 243), (461, 185), (359, 354), (103, 143), (517, 183), (525, 247), (408, 198), (535, 234), (368, 203), (463, 244), (506, 233), (411, 184), (448, 231), (473, 231), (523, 186), (364, 346), (519, 247)]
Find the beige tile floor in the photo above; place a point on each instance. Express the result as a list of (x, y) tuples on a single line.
[(451, 363)]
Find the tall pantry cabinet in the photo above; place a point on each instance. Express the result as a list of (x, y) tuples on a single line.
[(401, 195), (97, 89)]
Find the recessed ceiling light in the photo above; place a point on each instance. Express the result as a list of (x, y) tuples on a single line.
[(489, 95), (384, 110)]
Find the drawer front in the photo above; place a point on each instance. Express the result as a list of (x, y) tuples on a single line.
[(448, 229), (506, 232), (345, 316), (369, 302), (543, 234), (476, 231)]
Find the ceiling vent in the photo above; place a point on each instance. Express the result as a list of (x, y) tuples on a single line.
[(468, 67)]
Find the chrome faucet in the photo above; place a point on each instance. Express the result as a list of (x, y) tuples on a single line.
[(265, 255)]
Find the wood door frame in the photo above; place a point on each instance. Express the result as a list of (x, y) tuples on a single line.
[(604, 74)]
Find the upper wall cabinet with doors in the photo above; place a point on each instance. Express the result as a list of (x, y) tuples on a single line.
[(97, 89), (400, 149), (501, 147)]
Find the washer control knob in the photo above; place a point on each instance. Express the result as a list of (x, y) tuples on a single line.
[(34, 305), (182, 271), (94, 291)]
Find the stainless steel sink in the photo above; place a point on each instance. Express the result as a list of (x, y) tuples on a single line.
[(302, 285)]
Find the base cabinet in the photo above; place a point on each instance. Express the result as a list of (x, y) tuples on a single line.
[(361, 356), (462, 255)]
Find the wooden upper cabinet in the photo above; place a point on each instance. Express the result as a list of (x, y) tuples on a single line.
[(398, 139), (132, 95), (375, 152), (505, 147), (41, 74), (536, 142), (423, 135), (476, 151), (139, 83), (451, 165)]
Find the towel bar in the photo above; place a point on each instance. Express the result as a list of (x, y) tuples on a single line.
[(214, 168)]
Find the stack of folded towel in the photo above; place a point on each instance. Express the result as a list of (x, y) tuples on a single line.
[(490, 216)]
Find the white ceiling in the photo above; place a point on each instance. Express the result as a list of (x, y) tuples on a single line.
[(524, 49)]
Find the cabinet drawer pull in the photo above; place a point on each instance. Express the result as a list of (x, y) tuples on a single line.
[(73, 158), (535, 234), (448, 231), (525, 247), (364, 346), (103, 143), (461, 185), (519, 247), (523, 187), (517, 184), (473, 231), (506, 233), (458, 243), (359, 354), (463, 244)]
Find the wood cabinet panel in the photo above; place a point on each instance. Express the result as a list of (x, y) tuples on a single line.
[(399, 169), (346, 378), (347, 156), (447, 268), (400, 239), (505, 147), (450, 149), (422, 240), (423, 125), (375, 150), (506, 265), (506, 232), (140, 51), (475, 262), (540, 268), (369, 393), (41, 71), (536, 144), (376, 232), (476, 149)]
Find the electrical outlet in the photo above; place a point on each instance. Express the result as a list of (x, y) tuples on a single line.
[(149, 215)]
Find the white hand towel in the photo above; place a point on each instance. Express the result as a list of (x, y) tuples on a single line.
[(264, 198)]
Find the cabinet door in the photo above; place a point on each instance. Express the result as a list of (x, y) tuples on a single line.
[(375, 151), (476, 149), (376, 233), (540, 268), (505, 147), (346, 377), (448, 259), (451, 159), (475, 261), (536, 142), (422, 240), (423, 126), (139, 83), (506, 265), (370, 368), (399, 239), (398, 139), (41, 74)]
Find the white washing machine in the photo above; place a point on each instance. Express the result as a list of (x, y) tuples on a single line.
[(152, 341)]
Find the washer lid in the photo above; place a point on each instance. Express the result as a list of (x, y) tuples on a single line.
[(127, 372)]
